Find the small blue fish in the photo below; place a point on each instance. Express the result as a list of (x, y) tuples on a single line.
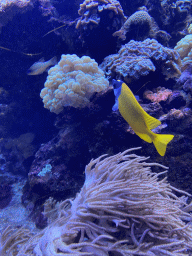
[(41, 66)]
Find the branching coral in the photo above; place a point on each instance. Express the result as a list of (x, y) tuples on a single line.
[(172, 16), (136, 59), (182, 7), (122, 209), (72, 82), (90, 10)]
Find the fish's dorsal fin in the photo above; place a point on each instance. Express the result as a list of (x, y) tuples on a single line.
[(150, 121), (41, 60), (53, 61)]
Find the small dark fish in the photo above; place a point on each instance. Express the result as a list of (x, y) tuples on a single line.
[(41, 66)]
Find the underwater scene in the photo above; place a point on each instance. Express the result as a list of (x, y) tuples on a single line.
[(95, 127)]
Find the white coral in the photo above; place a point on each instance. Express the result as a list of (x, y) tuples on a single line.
[(72, 82), (184, 48), (123, 208)]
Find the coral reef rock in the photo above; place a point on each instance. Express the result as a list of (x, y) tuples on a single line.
[(9, 8), (98, 21)]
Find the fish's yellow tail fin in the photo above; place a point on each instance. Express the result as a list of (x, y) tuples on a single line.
[(160, 141)]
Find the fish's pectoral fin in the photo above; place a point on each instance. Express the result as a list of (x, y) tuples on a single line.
[(115, 106), (144, 137), (160, 141), (117, 92), (151, 122)]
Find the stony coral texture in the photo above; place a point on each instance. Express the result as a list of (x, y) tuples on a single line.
[(123, 209), (139, 22), (136, 59), (184, 48), (72, 82)]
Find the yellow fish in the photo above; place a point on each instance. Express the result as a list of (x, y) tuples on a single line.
[(141, 122)]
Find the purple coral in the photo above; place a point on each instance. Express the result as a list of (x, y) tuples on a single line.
[(185, 79), (136, 59)]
